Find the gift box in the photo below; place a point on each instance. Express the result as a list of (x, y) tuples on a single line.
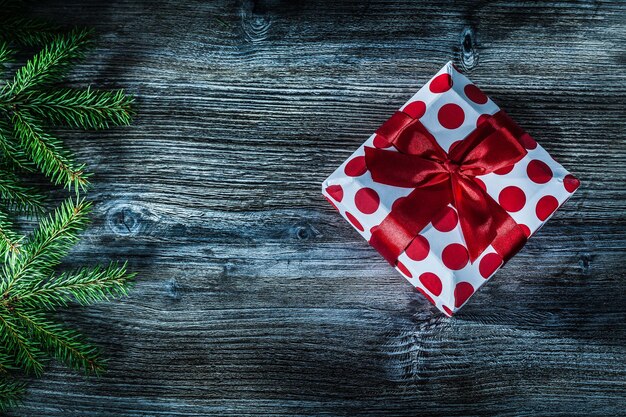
[(449, 189)]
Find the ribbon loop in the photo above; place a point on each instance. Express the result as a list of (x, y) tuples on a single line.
[(440, 179)]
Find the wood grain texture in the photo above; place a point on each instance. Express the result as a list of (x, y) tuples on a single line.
[(254, 297)]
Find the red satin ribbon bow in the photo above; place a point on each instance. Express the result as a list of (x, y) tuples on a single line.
[(440, 179)]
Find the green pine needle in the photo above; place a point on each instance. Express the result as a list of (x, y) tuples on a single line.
[(6, 363), (47, 245), (66, 345), (26, 31), (13, 338), (11, 155), (87, 109), (9, 240), (6, 54), (48, 153), (18, 197), (85, 286), (51, 64), (11, 392)]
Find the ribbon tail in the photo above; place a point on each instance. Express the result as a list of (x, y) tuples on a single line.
[(484, 222), (409, 216), (476, 215)]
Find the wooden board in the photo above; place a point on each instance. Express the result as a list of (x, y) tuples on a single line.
[(254, 297)]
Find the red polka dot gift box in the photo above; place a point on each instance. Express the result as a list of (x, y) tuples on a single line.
[(448, 189)]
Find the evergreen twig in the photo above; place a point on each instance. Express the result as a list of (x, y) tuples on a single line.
[(49, 244), (18, 197), (11, 392), (14, 339), (9, 240), (64, 344), (84, 286), (48, 152), (87, 109), (11, 155), (6, 54), (30, 287), (26, 31), (51, 64)]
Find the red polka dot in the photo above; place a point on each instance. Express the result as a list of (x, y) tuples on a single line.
[(354, 221), (504, 170), (366, 200), (462, 292), (528, 142), (525, 229), (425, 294), (404, 269), (441, 83), (432, 283), (336, 192), (451, 116), (373, 230), (415, 109), (455, 256), (381, 142), (447, 220), (481, 119), (356, 167), (395, 204), (546, 206), (331, 203), (512, 199), (488, 264), (480, 183), (473, 93), (447, 311), (418, 249), (538, 171), (570, 183), (454, 144)]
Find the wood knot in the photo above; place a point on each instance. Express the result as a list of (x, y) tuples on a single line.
[(468, 49), (585, 263), (172, 289), (304, 232), (128, 220), (255, 22)]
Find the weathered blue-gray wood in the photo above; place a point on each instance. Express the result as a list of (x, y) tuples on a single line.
[(254, 297)]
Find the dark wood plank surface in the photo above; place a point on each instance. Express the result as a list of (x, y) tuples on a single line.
[(254, 297)]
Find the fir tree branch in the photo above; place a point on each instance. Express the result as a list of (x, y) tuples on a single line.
[(85, 286), (29, 289), (11, 392), (26, 31), (6, 362), (12, 335), (17, 197), (66, 345), (13, 156), (80, 108), (48, 244), (48, 154), (6, 54), (9, 240), (15, 28), (51, 64)]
